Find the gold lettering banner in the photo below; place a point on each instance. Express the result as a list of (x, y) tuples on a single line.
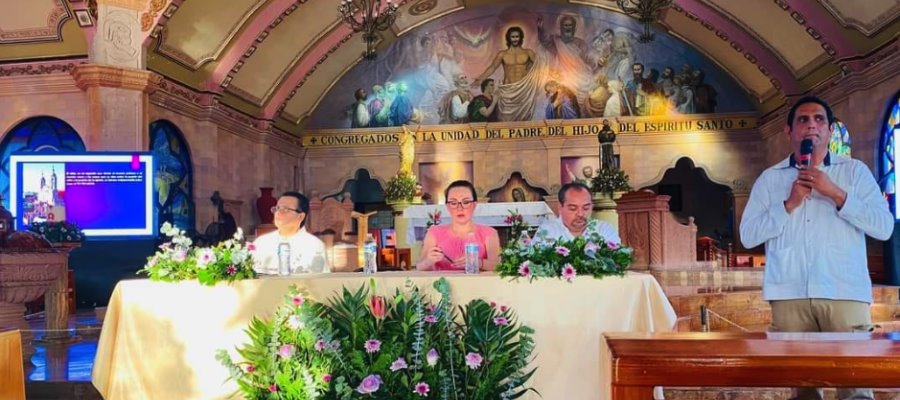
[(492, 132)]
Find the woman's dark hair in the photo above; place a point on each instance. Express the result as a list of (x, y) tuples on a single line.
[(461, 183)]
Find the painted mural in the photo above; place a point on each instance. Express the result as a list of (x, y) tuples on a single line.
[(511, 63)]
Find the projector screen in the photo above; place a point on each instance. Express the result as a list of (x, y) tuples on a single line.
[(105, 194)]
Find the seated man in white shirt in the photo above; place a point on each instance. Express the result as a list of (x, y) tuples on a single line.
[(307, 252), (575, 206)]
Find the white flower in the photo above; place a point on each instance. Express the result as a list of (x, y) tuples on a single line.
[(207, 256), (294, 322), (239, 256), (239, 235)]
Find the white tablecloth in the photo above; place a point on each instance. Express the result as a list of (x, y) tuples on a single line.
[(159, 339)]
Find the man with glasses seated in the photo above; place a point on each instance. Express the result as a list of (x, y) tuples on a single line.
[(575, 206), (307, 252), (444, 248)]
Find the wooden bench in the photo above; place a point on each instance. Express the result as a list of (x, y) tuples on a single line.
[(12, 375), (757, 359)]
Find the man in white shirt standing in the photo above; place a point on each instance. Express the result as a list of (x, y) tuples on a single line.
[(307, 252), (814, 220), (575, 206)]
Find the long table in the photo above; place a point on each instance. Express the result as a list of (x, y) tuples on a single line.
[(159, 339)]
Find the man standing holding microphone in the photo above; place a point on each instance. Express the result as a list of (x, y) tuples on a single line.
[(813, 210)]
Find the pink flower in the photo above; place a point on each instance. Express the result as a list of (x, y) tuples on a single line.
[(334, 345), (376, 306), (432, 357), (493, 304), (372, 346), (298, 300), (430, 308), (568, 272), (612, 245), (251, 247), (398, 364), (473, 360), (320, 345), (206, 257), (501, 321), (562, 250), (286, 350), (231, 270), (503, 308), (431, 319), (369, 384), (179, 255), (273, 388), (250, 368), (326, 378), (525, 269), (526, 241), (422, 389)]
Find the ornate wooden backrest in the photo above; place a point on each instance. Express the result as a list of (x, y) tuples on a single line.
[(657, 238), (331, 215)]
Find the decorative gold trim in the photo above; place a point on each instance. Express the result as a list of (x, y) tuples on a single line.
[(93, 75), (136, 5), (52, 32), (185, 60), (148, 18), (870, 28)]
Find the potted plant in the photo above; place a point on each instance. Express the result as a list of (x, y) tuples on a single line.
[(59, 233), (400, 189), (609, 181)]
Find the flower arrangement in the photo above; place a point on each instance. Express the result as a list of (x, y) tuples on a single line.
[(542, 257), (400, 188), (610, 180), (58, 231), (434, 218), (177, 260), (516, 223), (404, 346)]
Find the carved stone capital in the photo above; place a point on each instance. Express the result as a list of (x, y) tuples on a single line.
[(95, 75)]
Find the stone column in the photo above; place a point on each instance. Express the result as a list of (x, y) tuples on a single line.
[(115, 80), (740, 195), (118, 101), (56, 302)]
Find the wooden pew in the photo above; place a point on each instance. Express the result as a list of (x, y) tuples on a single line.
[(12, 376), (756, 359)]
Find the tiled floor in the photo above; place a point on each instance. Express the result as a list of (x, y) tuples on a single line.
[(63, 371)]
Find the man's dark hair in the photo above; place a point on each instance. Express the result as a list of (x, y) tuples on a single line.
[(461, 183), (521, 36), (302, 204), (485, 83), (807, 100), (561, 195), (568, 17)]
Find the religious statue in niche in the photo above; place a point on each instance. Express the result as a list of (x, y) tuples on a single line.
[(607, 137)]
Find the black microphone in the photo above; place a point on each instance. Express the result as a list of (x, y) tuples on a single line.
[(806, 149)]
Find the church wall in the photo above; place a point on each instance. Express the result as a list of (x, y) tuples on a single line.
[(232, 163), (43, 95), (729, 158)]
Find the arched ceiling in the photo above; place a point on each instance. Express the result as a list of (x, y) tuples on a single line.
[(276, 59)]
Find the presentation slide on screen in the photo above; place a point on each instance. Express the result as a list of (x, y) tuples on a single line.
[(104, 194)]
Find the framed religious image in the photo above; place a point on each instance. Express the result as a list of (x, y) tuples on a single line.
[(84, 18)]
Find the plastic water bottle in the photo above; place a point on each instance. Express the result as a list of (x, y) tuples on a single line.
[(284, 259), (473, 255), (370, 255)]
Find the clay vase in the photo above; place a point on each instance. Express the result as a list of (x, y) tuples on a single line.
[(264, 205)]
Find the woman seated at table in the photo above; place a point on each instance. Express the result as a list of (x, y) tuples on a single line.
[(444, 248)]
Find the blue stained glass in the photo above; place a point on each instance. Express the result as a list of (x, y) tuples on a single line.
[(887, 177), (38, 135), (174, 176)]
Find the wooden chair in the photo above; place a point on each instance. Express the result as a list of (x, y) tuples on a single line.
[(757, 359)]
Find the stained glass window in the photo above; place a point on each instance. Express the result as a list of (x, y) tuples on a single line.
[(174, 177), (840, 139), (36, 135), (887, 177)]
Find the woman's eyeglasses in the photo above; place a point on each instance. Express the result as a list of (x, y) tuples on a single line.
[(278, 209), (465, 204)]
